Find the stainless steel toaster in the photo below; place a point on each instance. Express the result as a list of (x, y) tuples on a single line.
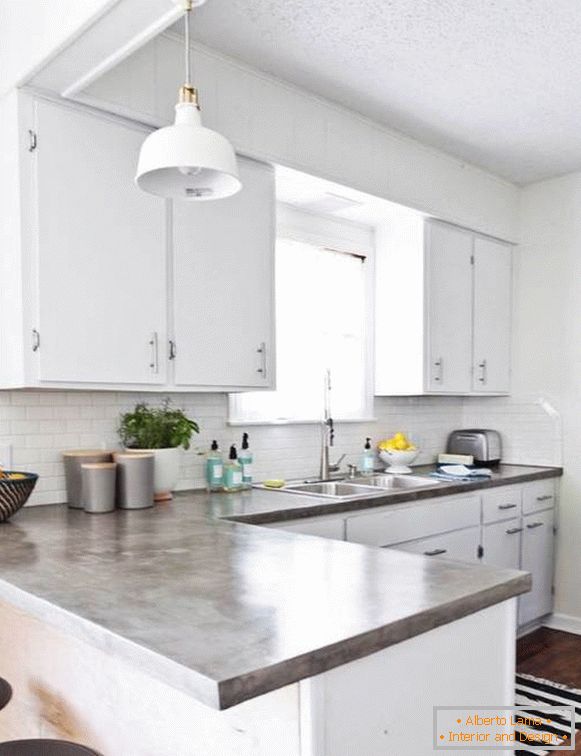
[(484, 445)]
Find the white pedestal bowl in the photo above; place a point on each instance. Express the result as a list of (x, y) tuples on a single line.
[(398, 461)]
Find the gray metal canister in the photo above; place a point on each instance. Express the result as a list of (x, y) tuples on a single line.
[(98, 488), (73, 461), (134, 480)]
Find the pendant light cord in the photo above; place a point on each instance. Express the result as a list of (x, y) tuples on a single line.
[(188, 7)]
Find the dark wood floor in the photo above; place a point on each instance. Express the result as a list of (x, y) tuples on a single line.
[(554, 655)]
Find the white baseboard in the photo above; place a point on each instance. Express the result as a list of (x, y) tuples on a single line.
[(565, 622)]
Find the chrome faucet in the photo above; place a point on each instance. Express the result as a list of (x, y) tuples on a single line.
[(328, 434)]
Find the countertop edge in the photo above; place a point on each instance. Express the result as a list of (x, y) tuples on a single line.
[(223, 694), (258, 682), (159, 666)]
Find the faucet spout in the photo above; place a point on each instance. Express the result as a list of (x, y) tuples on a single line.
[(327, 430), (327, 440)]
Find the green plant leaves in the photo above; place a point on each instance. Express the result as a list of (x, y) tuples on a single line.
[(156, 427)]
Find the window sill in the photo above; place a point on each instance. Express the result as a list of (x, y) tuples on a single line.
[(249, 423)]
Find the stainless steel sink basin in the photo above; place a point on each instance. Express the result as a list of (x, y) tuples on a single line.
[(400, 482), (357, 488), (338, 489)]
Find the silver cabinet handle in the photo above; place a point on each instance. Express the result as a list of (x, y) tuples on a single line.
[(483, 371), (435, 552), (512, 531), (548, 497), (172, 350), (532, 525), (507, 506), (439, 363), (35, 340), (153, 343), (262, 352)]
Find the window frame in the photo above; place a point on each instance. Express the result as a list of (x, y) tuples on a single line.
[(341, 236)]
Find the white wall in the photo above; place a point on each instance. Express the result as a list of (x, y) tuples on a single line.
[(547, 346), (274, 121)]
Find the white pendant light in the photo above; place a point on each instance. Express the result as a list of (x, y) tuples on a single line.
[(188, 161)]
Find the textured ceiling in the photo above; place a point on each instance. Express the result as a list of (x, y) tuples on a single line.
[(495, 82)]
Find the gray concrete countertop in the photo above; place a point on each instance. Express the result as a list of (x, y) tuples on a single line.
[(227, 611)]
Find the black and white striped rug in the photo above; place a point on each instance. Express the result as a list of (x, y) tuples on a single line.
[(534, 691)]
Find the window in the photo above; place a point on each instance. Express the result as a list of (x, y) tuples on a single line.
[(322, 306)]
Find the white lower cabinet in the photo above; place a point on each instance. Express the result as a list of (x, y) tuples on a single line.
[(499, 527), (537, 558), (524, 542), (501, 544), (460, 544), (389, 526)]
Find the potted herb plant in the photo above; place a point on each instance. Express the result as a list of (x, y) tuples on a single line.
[(162, 431)]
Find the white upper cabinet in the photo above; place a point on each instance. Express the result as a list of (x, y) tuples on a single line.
[(492, 316), (103, 291), (101, 254), (223, 271), (448, 308), (443, 309)]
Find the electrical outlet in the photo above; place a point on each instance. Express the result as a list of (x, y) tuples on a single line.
[(6, 456)]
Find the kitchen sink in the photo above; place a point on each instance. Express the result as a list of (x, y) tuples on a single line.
[(400, 482), (358, 487), (338, 489)]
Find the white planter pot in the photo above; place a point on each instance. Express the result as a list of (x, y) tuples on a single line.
[(166, 470)]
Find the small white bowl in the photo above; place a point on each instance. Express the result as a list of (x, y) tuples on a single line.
[(398, 461)]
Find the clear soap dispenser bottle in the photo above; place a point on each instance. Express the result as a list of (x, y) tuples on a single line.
[(245, 458), (367, 459), (232, 472)]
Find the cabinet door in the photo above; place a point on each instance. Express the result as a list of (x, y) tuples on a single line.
[(502, 544), (538, 495), (492, 315), (460, 544), (410, 522), (102, 293), (449, 308), (224, 286), (501, 504), (537, 558)]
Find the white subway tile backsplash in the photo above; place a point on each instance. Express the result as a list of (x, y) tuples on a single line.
[(40, 425)]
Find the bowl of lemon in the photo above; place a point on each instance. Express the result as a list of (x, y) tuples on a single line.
[(398, 453), (15, 488)]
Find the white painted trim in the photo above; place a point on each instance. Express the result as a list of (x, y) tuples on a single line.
[(118, 55), (565, 622), (394, 133)]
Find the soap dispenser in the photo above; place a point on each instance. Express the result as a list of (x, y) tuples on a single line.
[(367, 459), (245, 459), (232, 472), (214, 468)]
